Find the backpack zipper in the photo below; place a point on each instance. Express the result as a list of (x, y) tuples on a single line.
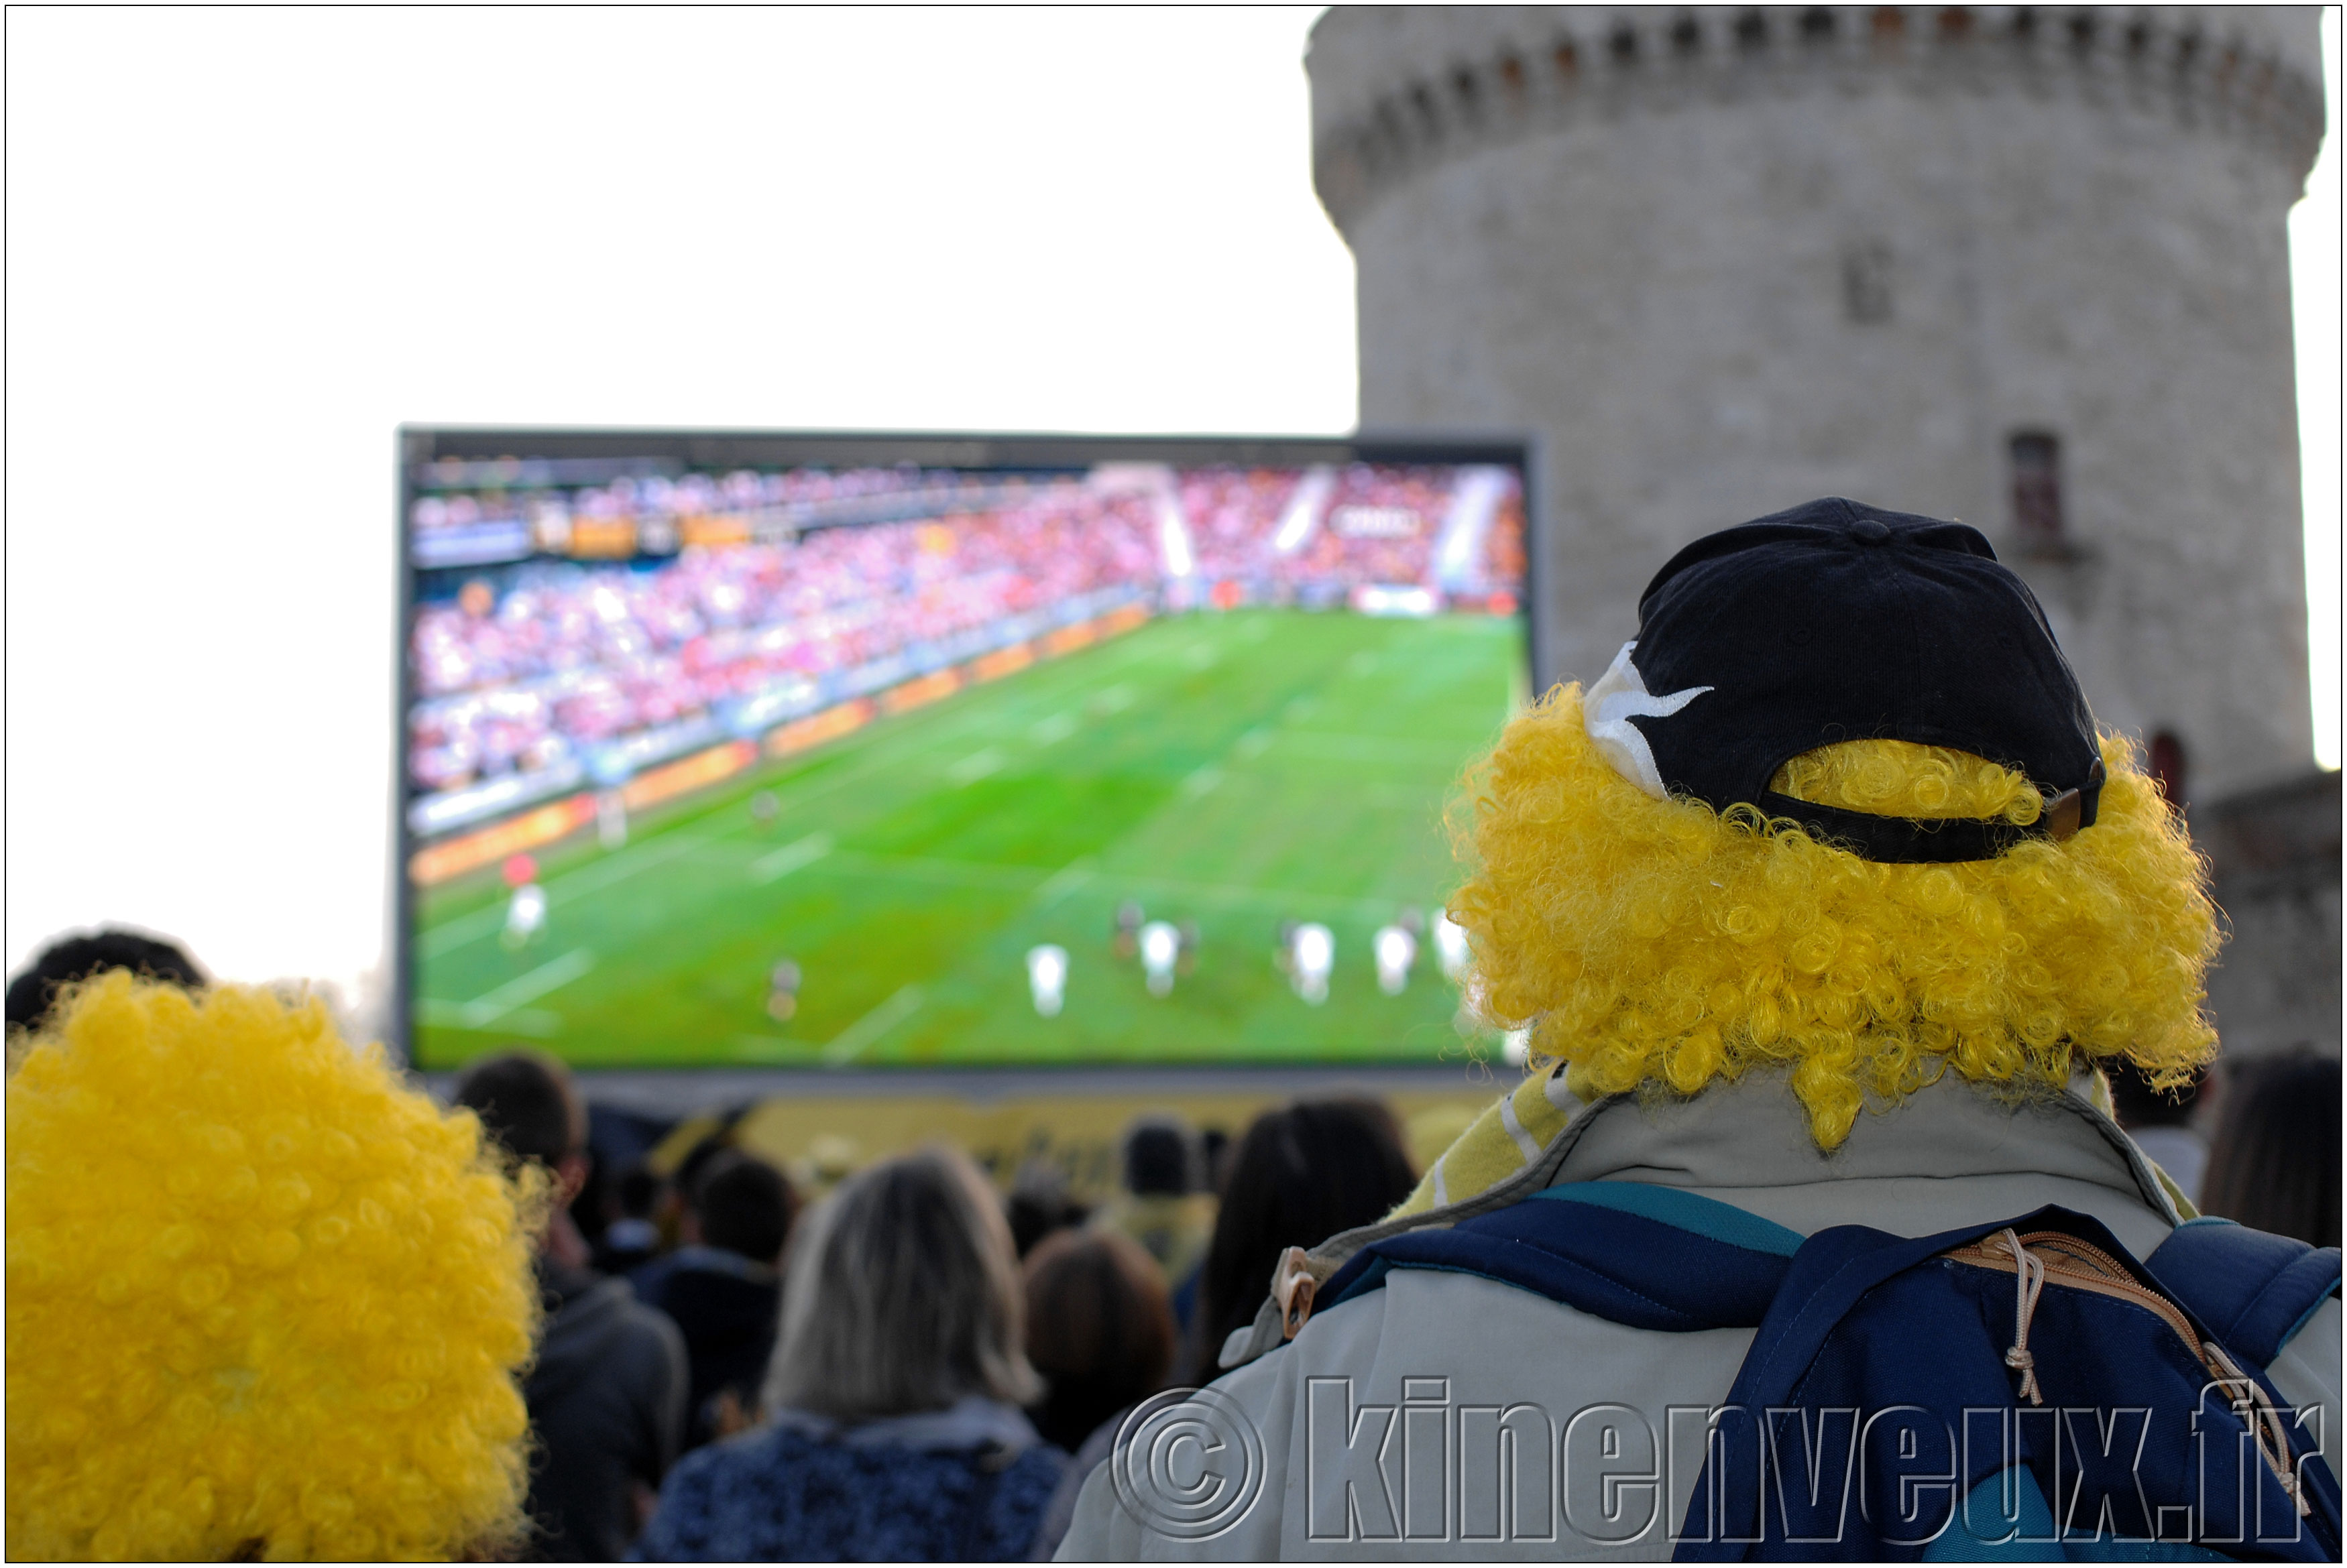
[(2055, 1257)]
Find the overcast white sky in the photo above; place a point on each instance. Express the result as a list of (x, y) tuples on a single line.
[(245, 246)]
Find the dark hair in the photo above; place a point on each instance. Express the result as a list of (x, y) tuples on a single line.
[(2138, 1104), (35, 988), (1157, 1158), (686, 1181), (638, 1191), (525, 1102), (746, 1205), (1100, 1328), (1215, 1151), (1039, 1204), (1303, 1173), (2275, 1163)]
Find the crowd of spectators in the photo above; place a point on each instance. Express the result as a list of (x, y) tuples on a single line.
[(663, 506), (569, 656), (1364, 524), (534, 665), (915, 1365)]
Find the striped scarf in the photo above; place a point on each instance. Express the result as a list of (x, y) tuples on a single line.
[(1505, 1138)]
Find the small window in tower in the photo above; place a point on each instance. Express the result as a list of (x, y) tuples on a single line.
[(1469, 92), (1817, 24), (2167, 761), (1866, 281), (1421, 98), (2037, 493), (1751, 31), (1685, 36), (1625, 44)]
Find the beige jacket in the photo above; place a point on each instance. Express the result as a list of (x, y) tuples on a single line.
[(1369, 1438)]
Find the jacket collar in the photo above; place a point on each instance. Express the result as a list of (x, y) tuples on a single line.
[(1751, 1138), (973, 1421)]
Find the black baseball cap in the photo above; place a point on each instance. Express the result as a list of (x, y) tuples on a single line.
[(1837, 621)]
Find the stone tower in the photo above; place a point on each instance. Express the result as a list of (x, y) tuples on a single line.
[(2022, 266)]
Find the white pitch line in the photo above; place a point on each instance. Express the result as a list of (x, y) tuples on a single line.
[(873, 1024), (776, 864), (530, 1021), (974, 767), (951, 873), (1065, 880), (1202, 781), (545, 977)]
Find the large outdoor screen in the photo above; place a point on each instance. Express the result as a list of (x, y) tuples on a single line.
[(832, 752)]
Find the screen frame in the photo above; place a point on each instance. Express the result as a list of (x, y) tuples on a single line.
[(718, 449)]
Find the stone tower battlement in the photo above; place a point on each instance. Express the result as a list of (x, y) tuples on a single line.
[(1393, 93), (2027, 267)]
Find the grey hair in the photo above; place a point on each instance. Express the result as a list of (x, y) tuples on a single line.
[(902, 1294)]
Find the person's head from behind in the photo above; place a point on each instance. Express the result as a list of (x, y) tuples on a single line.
[(680, 1213), (264, 1299), (527, 1103), (745, 1207), (902, 1294), (2274, 1165), (1039, 1204), (1158, 1157), (1302, 1174), (1100, 1329), (637, 1194), (34, 991), (1690, 871)]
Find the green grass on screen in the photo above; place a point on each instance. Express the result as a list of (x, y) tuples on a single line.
[(1234, 771)]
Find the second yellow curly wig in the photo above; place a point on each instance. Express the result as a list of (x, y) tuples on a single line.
[(1663, 942), (262, 1298)]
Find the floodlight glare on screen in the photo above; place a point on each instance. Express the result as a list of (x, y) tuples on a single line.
[(887, 752)]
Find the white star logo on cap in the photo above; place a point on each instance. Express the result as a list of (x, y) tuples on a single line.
[(1607, 709)]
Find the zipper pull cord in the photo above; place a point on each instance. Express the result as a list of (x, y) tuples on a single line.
[(2028, 1280), (2258, 1413)]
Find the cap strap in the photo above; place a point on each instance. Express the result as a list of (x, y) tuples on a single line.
[(1903, 840)]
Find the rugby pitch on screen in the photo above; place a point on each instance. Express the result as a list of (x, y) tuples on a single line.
[(1234, 771)]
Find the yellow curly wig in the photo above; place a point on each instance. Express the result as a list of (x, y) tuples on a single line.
[(262, 1298), (1666, 942)]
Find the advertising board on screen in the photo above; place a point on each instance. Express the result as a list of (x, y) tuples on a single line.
[(861, 751)]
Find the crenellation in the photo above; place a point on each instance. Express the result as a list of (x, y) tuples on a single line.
[(1662, 60)]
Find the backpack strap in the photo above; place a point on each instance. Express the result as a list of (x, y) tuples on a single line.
[(1648, 1256), (2252, 1289), (1838, 1271)]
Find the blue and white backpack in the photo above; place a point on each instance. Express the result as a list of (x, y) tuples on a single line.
[(2015, 1391)]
